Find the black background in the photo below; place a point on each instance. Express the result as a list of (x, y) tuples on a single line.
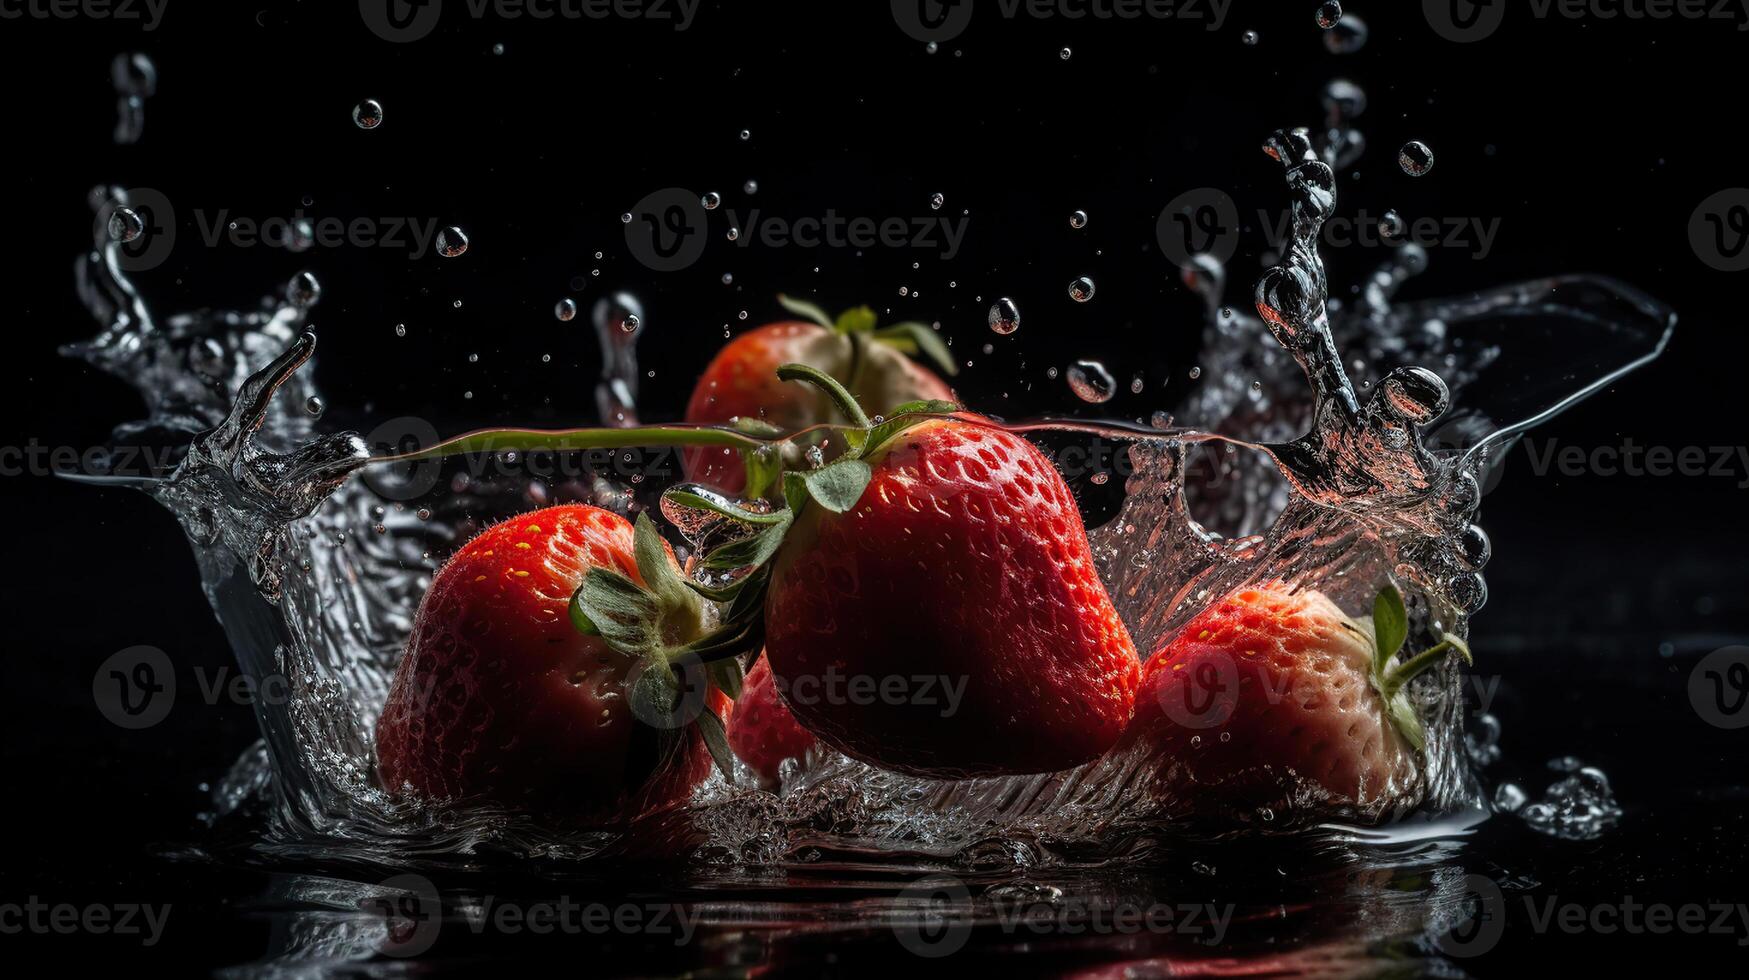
[(1592, 141)]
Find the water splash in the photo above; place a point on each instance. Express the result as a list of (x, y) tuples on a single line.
[(1330, 491)]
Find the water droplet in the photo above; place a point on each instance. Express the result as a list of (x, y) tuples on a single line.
[(1004, 316), (625, 218), (314, 406), (1051, 372), (1077, 219), (452, 242), (303, 291), (1344, 100), (1195, 372), (1416, 158), (400, 330), (1160, 420), (1328, 14), (498, 48), (368, 114), (126, 225), (1065, 54), (631, 323), (751, 187), (746, 134), (728, 278), (565, 310), (1348, 36), (936, 200), (1250, 38), (732, 234), (1392, 225), (1081, 290), (1137, 384), (1100, 479), (710, 200), (1091, 382)]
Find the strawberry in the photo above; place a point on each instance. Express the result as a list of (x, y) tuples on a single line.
[(964, 562), (741, 385), (1270, 693), (501, 698), (763, 733)]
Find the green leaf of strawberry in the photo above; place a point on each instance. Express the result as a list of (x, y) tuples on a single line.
[(919, 339), (806, 310), (1390, 624), (836, 486)]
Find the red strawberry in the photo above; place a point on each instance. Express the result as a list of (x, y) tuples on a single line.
[(964, 563), (763, 733), (741, 381), (500, 698), (1269, 692)]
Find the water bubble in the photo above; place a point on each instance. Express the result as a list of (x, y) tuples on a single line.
[(728, 278), (1328, 14), (1160, 420), (1100, 479), (751, 187), (126, 225), (1004, 316), (1344, 100), (1392, 225), (1081, 290), (732, 234), (1091, 382), (565, 310), (1348, 36), (630, 323), (1078, 219), (314, 406), (1137, 384), (936, 200), (1509, 798), (710, 200), (625, 218), (498, 48), (931, 47), (1250, 38), (368, 114), (303, 290), (1416, 158), (400, 330), (1195, 372), (746, 134), (452, 242), (1051, 372), (1065, 54)]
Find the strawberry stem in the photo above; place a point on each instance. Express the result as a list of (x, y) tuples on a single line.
[(1415, 666), (825, 382), (563, 440)]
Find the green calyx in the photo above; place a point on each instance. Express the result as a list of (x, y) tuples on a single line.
[(656, 623), (860, 323), (1390, 621)]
